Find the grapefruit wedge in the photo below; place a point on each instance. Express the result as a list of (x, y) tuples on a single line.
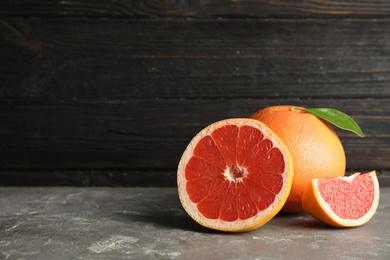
[(343, 201), (235, 175)]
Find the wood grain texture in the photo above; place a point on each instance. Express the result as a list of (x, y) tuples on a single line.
[(152, 134), (93, 177), (80, 96), (198, 8), (122, 59), (109, 177)]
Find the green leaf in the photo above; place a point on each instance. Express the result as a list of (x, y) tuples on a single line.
[(336, 118)]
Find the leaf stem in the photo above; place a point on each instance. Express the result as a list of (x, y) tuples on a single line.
[(297, 108)]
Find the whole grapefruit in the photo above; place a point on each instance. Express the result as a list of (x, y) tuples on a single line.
[(315, 148)]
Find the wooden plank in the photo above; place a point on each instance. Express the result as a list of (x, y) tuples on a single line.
[(84, 97), (109, 177), (120, 59), (152, 134), (197, 9), (88, 177)]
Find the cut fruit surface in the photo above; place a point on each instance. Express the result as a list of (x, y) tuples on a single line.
[(344, 201), (234, 175)]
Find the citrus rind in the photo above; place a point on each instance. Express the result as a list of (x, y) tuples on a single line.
[(314, 204)]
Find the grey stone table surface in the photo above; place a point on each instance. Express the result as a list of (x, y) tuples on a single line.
[(149, 223)]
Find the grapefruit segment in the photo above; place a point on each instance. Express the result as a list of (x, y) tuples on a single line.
[(234, 175), (248, 140), (225, 139), (210, 205), (208, 151), (248, 207), (262, 197), (229, 210), (343, 201)]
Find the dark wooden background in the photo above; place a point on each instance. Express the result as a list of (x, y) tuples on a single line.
[(109, 93)]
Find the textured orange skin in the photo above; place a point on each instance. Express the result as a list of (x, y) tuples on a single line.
[(311, 204), (315, 148)]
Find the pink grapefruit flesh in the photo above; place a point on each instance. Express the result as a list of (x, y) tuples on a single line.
[(343, 201), (235, 175)]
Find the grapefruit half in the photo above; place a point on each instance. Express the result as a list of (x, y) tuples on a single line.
[(234, 175), (343, 201)]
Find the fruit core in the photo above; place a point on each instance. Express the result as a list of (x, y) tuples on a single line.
[(235, 174)]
